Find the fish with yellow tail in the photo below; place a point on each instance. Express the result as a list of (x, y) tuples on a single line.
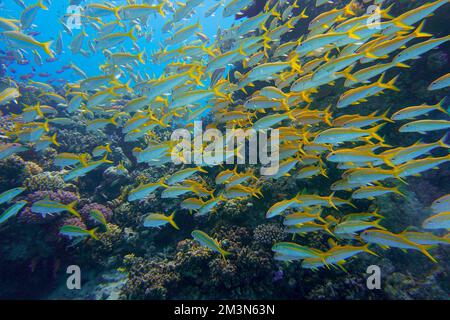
[(295, 250), (20, 40), (210, 243), (352, 155), (29, 14), (416, 167), (355, 226), (144, 190), (416, 111), (82, 170), (386, 239), (49, 207), (336, 136), (418, 49), (156, 220), (302, 217), (423, 126), (341, 253), (72, 231), (360, 94), (407, 19), (425, 238), (279, 207), (370, 192), (69, 159)]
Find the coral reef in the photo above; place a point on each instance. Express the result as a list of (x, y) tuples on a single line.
[(45, 181)]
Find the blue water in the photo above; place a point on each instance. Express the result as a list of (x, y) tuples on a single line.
[(48, 25)]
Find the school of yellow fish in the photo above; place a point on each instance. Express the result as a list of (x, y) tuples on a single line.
[(340, 48)]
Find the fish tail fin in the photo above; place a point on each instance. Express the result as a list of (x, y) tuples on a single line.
[(241, 50), (46, 126), (83, 159), (370, 55), (105, 159), (224, 254), (303, 15), (319, 217), (328, 116), (46, 46), (116, 13), (208, 50), (440, 106), (140, 57), (396, 174), (366, 249), (423, 249), (197, 78), (397, 191), (218, 93), (330, 201), (374, 132), (377, 224), (377, 214), (390, 85), (53, 140), (41, 5), (385, 117), (113, 120), (172, 222), (387, 160), (275, 13), (351, 33), (385, 13), (324, 261), (329, 231), (381, 79), (346, 73), (401, 65), (108, 148), (442, 142), (131, 35), (398, 23), (160, 9), (293, 62), (266, 40), (39, 111), (418, 32), (71, 209), (92, 233), (348, 10)]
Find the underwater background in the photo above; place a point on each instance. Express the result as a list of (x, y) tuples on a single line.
[(135, 258)]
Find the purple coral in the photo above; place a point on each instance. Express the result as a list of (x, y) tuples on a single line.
[(74, 221), (86, 209), (278, 275)]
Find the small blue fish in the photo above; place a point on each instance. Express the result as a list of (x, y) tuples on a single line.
[(12, 211), (10, 194)]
